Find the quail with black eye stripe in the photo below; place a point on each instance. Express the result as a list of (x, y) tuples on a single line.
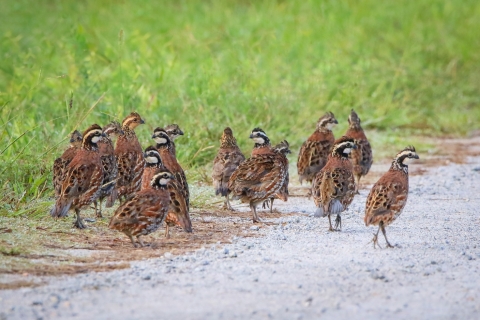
[(388, 197), (333, 187), (83, 178)]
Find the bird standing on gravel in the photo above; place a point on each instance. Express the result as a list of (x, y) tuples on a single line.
[(361, 157), (283, 148), (259, 178), (314, 152), (389, 195), (228, 158), (333, 187)]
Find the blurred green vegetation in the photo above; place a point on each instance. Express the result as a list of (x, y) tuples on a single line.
[(407, 67)]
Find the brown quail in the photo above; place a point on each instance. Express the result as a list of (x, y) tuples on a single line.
[(164, 147), (173, 131), (314, 152), (333, 187), (146, 210), (361, 157), (283, 148), (83, 177), (262, 142), (177, 210), (60, 164), (129, 155), (389, 195), (228, 157), (109, 163), (258, 179)]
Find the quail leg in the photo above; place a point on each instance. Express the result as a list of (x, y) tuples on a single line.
[(338, 223), (140, 241), (357, 183), (385, 234), (375, 238), (98, 213), (255, 216), (309, 194), (266, 204), (330, 222), (167, 231), (271, 205), (227, 204), (131, 239), (78, 223)]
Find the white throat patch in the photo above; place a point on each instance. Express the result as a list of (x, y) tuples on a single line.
[(330, 126), (164, 181), (160, 140), (258, 140), (151, 159)]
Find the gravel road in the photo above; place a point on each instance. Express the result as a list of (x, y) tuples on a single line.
[(296, 269)]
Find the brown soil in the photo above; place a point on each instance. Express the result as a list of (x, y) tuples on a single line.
[(57, 248)]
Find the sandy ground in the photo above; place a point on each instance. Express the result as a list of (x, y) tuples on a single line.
[(296, 269)]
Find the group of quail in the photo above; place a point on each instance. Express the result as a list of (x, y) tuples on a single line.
[(152, 186)]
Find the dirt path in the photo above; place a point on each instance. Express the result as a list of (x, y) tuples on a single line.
[(295, 268)]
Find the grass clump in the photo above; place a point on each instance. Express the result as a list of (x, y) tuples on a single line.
[(408, 68)]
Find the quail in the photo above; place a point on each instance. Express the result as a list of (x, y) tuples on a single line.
[(389, 195), (333, 188), (262, 142), (314, 152), (173, 131), (129, 155), (145, 211), (109, 163), (259, 178), (361, 157), (61, 163), (177, 210), (228, 158), (164, 147), (282, 194), (83, 177)]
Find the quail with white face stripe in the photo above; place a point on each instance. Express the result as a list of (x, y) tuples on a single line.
[(333, 187), (388, 197)]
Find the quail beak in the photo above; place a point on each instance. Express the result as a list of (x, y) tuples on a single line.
[(121, 132), (72, 140), (416, 157), (154, 136), (251, 136), (103, 134), (355, 146), (180, 132), (335, 121), (142, 121)]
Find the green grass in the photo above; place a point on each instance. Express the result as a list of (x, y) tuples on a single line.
[(407, 67)]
